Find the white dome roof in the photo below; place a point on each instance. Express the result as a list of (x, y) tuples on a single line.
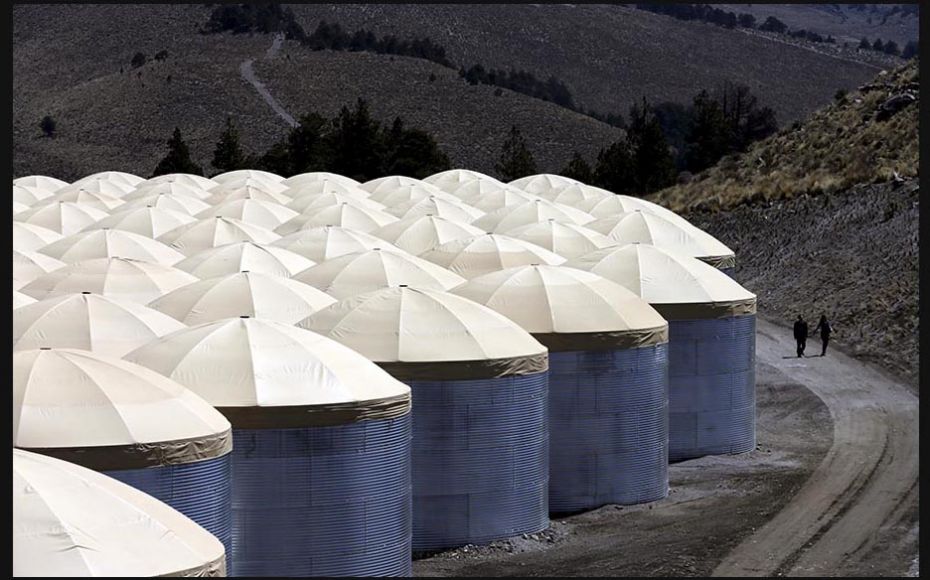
[(647, 228), (347, 215), (449, 180), (72, 521), (250, 189), (150, 222), (388, 182), (604, 207), (411, 324), (20, 299), (323, 187), (65, 397), (242, 294), (323, 243), (314, 176), (133, 280), (238, 174), (250, 362), (360, 272), (575, 195), (307, 202), (445, 206), (65, 217), (419, 234), (662, 277), (30, 237), (169, 188), (489, 197), (49, 184), (477, 255), (121, 178), (557, 299), (30, 195), (244, 256), (264, 214), (543, 183), (174, 201), (212, 232), (181, 179), (530, 212), (19, 207), (79, 191), (29, 265), (399, 193), (103, 200), (564, 238), (106, 243), (100, 324)]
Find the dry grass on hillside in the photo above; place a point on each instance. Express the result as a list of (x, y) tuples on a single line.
[(840, 146)]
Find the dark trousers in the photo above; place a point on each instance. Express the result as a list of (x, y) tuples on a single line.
[(802, 342), (825, 339)]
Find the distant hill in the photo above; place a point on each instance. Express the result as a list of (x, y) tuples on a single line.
[(72, 62), (849, 142)]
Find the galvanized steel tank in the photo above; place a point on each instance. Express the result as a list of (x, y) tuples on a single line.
[(321, 464), (128, 422), (712, 344), (479, 382), (608, 381)]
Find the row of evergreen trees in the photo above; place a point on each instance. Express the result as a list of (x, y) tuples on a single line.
[(332, 37), (890, 47), (521, 81), (352, 144)]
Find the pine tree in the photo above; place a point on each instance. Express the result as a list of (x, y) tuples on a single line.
[(516, 159), (305, 145), (864, 44), (653, 165), (228, 154), (614, 168), (48, 126), (356, 144), (578, 169), (178, 159), (708, 137), (877, 45), (413, 152)]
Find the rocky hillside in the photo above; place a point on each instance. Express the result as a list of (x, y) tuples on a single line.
[(852, 254), (868, 135)]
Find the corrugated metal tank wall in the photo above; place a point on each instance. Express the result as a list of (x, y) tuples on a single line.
[(200, 490), (731, 271), (609, 427), (480, 460), (712, 386), (323, 501)]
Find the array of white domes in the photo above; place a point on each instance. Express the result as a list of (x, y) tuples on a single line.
[(121, 266)]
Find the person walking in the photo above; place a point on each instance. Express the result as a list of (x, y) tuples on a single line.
[(825, 330), (800, 334)]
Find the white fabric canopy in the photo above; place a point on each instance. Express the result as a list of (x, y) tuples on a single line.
[(388, 182), (181, 179), (31, 195), (31, 237), (121, 178), (449, 180), (29, 265), (323, 243), (103, 200), (249, 362), (302, 179), (477, 255), (648, 228), (19, 207), (238, 174), (212, 232), (72, 521), (445, 206), (248, 189), (576, 195), (530, 212), (566, 239), (400, 193), (150, 222), (242, 257), (488, 196), (419, 234), (100, 324), (360, 272), (347, 215), (133, 280), (413, 324), (543, 183), (174, 201), (106, 243), (20, 299), (264, 214), (546, 299), (65, 397), (170, 188), (65, 217), (243, 294), (307, 202), (49, 184), (662, 276)]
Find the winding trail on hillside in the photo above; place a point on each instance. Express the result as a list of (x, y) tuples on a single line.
[(866, 484), (248, 74)]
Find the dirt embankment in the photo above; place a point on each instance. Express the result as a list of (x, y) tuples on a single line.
[(852, 255)]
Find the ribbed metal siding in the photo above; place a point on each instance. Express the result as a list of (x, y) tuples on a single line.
[(712, 387), (199, 490), (480, 460), (323, 501), (608, 424)]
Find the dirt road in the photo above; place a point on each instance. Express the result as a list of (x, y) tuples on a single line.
[(865, 485), (830, 490), (248, 74)]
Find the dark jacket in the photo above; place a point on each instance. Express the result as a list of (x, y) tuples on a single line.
[(824, 327), (800, 330)]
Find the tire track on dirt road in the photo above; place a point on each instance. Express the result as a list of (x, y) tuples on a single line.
[(858, 490)]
